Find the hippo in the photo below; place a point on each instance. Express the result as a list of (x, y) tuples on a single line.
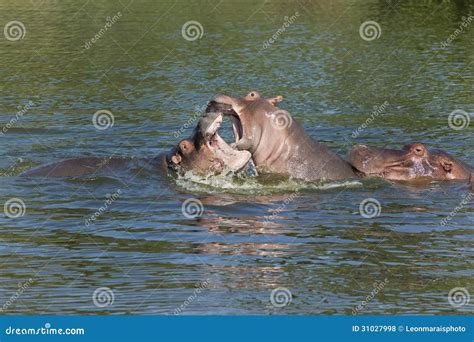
[(205, 152), (412, 162), (277, 142)]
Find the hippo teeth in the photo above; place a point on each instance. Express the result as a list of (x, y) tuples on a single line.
[(234, 159), (214, 126), (237, 128), (236, 133)]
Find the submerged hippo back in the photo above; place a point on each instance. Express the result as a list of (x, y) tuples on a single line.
[(312, 160), (89, 165)]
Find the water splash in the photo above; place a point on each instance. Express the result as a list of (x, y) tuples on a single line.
[(243, 183)]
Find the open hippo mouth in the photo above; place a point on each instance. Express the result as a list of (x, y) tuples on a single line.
[(226, 109), (232, 159)]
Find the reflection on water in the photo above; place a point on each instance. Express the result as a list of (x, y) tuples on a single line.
[(255, 234)]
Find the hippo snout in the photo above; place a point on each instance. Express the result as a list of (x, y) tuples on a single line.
[(218, 107)]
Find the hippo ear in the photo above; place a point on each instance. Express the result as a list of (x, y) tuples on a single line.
[(186, 146), (447, 165), (275, 100), (176, 159)]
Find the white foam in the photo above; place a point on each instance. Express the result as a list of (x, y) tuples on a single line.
[(242, 183)]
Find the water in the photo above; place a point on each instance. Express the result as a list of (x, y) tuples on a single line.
[(255, 234)]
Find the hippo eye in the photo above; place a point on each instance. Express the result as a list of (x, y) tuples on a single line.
[(419, 150), (253, 95)]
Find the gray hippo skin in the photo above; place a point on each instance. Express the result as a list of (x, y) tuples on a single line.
[(205, 152), (412, 162), (277, 142)]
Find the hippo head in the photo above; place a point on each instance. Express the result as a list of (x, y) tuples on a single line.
[(249, 114), (206, 152), (412, 162)]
